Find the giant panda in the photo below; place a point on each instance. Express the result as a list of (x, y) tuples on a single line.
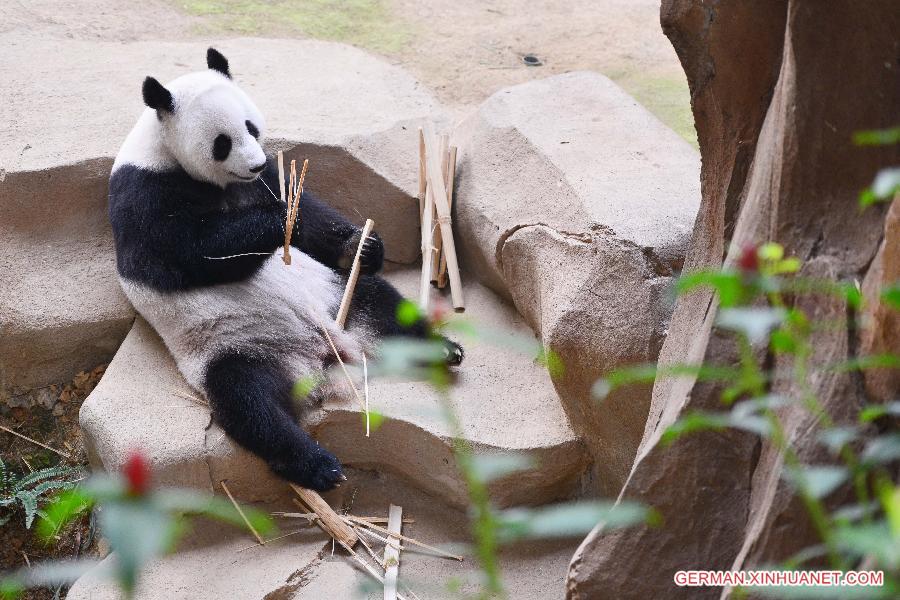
[(196, 227)]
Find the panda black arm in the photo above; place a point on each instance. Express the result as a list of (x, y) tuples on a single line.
[(327, 236), (257, 228)]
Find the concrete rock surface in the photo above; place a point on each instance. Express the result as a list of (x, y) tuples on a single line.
[(353, 115), (778, 164), (506, 403), (577, 204), (220, 562)]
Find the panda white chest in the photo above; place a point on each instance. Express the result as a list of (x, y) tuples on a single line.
[(279, 309)]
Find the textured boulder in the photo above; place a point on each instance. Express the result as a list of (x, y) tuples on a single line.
[(576, 203), (778, 165), (506, 404), (61, 310), (881, 325)]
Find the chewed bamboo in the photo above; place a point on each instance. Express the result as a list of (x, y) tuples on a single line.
[(354, 275), (329, 521)]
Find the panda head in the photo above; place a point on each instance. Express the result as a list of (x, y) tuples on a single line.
[(208, 124)]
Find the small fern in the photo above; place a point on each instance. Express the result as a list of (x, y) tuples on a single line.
[(28, 491)]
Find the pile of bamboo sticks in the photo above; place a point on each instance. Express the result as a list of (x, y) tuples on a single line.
[(437, 169)]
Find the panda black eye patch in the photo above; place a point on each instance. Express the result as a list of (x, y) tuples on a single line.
[(221, 147), (251, 129)]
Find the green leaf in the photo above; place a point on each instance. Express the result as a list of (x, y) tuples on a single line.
[(783, 342), (836, 438), (189, 502), (727, 284), (649, 372), (887, 183), (487, 467), (376, 420), (862, 363), (61, 511), (816, 481), (57, 472), (49, 574), (882, 449), (404, 357), (574, 519), (891, 296), (869, 539), (408, 313), (851, 513), (877, 137), (754, 322), (29, 503), (771, 251), (693, 422), (890, 501), (138, 532), (304, 386), (876, 411), (788, 265)]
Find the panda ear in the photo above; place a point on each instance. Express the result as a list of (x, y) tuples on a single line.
[(156, 96), (217, 62)]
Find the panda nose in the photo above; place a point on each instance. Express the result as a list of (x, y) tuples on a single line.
[(258, 168)]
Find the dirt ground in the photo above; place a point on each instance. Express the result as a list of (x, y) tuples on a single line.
[(463, 50)]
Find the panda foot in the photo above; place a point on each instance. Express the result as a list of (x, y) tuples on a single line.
[(318, 470), (454, 353)]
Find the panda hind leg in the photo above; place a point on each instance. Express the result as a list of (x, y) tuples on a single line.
[(251, 399), (375, 303)]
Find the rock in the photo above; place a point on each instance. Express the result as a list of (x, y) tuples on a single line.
[(576, 203), (723, 507), (880, 333), (505, 402), (61, 310), (221, 562)]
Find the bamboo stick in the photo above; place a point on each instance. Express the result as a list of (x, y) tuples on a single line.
[(436, 237), (26, 438), (391, 554), (451, 176), (427, 228), (281, 174), (421, 194), (369, 569), (444, 219), (237, 506), (310, 516), (329, 521), (405, 538), (354, 276), (295, 191)]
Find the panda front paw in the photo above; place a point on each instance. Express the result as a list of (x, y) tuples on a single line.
[(371, 259), (318, 470)]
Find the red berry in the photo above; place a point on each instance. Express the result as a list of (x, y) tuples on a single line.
[(137, 474), (749, 260)]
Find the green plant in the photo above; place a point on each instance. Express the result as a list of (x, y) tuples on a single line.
[(139, 523), (754, 308), (29, 491)]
